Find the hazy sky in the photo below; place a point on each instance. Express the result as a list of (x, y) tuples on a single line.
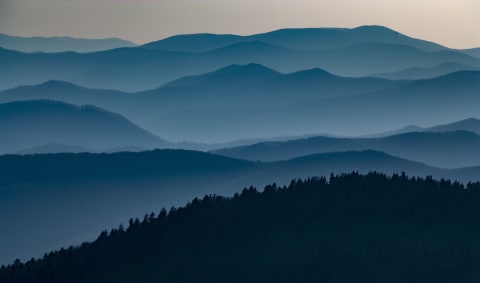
[(454, 23)]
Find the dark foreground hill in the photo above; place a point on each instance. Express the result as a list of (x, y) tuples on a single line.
[(63, 199), (352, 228)]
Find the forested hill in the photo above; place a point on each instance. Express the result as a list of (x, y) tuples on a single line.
[(350, 228)]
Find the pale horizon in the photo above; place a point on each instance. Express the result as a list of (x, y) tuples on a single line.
[(452, 24)]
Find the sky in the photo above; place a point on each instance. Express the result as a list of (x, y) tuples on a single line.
[(453, 23)]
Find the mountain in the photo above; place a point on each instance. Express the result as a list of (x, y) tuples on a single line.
[(60, 44), (34, 123), (415, 73), (144, 67), (441, 149), (470, 124), (368, 58), (254, 85), (200, 42), (332, 38), (352, 227), (129, 69), (239, 102), (64, 199), (307, 39), (475, 52), (53, 148), (249, 86), (62, 91), (427, 102)]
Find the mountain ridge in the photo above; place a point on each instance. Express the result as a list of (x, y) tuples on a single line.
[(462, 147), (314, 38), (58, 122), (140, 68), (61, 43)]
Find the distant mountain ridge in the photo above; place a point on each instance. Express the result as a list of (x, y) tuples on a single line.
[(356, 52), (27, 124), (415, 73), (307, 39), (255, 101), (61, 44), (249, 86), (469, 125), (440, 149)]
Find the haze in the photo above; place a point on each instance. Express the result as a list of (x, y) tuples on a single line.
[(451, 23)]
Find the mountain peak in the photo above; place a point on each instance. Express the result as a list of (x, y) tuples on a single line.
[(252, 68), (374, 28), (58, 83), (314, 72), (230, 73)]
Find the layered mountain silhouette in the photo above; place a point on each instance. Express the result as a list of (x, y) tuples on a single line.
[(256, 85), (239, 102), (307, 39), (471, 124), (447, 98), (468, 125), (53, 148), (415, 73), (85, 125), (475, 52), (441, 149), (61, 44), (250, 86), (358, 52), (61, 199), (26, 124), (62, 91)]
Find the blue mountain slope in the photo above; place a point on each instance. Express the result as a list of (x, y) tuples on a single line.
[(241, 102), (416, 73), (300, 39), (61, 44), (441, 149), (141, 68), (27, 124)]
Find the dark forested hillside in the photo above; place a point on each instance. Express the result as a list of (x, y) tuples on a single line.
[(351, 228)]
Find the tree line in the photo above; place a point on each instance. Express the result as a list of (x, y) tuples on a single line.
[(345, 228)]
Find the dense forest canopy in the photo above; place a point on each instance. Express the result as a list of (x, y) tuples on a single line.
[(348, 228)]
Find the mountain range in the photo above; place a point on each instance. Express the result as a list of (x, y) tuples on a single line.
[(306, 39), (425, 73), (93, 136), (441, 149), (61, 44), (27, 124), (61, 199), (356, 52), (239, 102)]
